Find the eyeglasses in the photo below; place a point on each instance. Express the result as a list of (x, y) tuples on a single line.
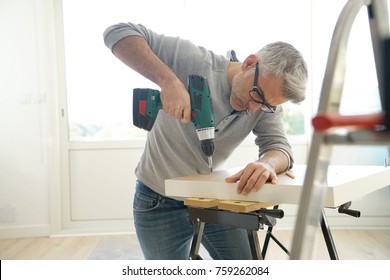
[(257, 94)]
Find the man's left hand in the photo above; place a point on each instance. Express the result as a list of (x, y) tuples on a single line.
[(253, 177)]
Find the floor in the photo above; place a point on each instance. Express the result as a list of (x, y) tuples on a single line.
[(350, 244)]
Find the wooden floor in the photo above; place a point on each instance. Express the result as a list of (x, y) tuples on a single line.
[(351, 245)]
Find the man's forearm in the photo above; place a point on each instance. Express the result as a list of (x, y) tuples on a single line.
[(135, 52)]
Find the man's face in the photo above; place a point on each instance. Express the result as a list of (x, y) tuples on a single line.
[(242, 83)]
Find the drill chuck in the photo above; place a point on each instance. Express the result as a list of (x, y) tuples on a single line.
[(207, 147), (206, 138), (208, 150)]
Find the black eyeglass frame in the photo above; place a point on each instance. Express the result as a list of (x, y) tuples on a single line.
[(259, 95)]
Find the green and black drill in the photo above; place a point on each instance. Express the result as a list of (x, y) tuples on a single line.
[(147, 103)]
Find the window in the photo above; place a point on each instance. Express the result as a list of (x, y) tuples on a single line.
[(99, 86)]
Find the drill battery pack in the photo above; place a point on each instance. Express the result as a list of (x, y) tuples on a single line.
[(146, 103)]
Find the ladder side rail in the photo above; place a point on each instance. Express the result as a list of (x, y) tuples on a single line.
[(334, 77), (379, 28), (309, 210)]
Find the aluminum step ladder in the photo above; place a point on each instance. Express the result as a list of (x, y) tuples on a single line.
[(371, 130)]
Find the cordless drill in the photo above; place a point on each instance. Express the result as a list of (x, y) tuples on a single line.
[(147, 103)]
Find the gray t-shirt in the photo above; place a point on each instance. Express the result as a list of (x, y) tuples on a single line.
[(172, 148)]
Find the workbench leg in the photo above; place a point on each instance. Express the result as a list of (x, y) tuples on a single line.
[(266, 242), (328, 237), (254, 244), (194, 252), (269, 236)]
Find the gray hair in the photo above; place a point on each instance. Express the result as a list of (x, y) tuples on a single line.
[(284, 60)]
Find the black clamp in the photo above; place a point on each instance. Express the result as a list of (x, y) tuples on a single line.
[(344, 208), (268, 216)]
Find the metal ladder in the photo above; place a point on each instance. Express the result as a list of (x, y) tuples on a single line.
[(373, 130)]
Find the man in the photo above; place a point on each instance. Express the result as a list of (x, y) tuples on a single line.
[(246, 98)]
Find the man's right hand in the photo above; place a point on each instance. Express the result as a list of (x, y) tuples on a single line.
[(176, 101), (136, 53)]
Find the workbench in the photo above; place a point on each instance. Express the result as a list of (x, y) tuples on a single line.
[(204, 192)]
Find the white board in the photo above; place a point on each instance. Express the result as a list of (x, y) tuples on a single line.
[(345, 183)]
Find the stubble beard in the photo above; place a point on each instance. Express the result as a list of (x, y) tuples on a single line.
[(235, 100)]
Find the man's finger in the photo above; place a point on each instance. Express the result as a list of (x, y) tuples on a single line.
[(245, 181), (234, 178), (256, 180), (186, 116)]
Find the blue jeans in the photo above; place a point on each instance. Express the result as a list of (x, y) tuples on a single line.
[(165, 230)]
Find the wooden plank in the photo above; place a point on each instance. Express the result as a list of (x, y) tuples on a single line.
[(290, 174), (201, 202), (240, 206), (230, 205)]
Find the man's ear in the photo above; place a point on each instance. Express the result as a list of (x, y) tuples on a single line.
[(249, 62)]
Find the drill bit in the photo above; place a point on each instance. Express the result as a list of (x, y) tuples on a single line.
[(210, 163)]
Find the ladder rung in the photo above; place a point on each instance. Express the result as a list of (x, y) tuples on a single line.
[(323, 122)]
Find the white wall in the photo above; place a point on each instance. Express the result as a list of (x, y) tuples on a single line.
[(26, 94), (35, 200)]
